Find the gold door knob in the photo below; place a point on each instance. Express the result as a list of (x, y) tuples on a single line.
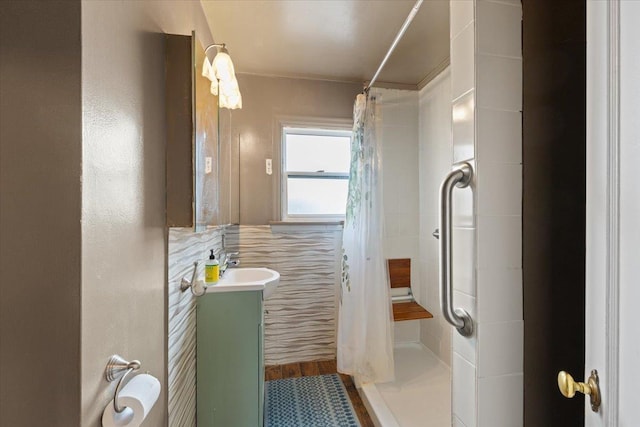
[(568, 387)]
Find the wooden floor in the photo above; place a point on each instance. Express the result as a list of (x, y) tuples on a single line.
[(322, 367)]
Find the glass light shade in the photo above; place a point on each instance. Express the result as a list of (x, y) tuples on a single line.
[(222, 67), (230, 96), (214, 87), (207, 71)]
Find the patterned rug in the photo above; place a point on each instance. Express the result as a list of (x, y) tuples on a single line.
[(317, 401)]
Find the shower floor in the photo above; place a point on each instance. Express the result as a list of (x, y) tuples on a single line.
[(419, 397)]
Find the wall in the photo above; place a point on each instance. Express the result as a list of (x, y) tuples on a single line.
[(40, 157), (124, 245), (185, 247), (554, 135), (486, 85), (254, 129), (397, 128), (300, 317), (435, 154)]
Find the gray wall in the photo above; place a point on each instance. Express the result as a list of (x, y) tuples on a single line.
[(265, 99), (553, 235), (82, 187), (40, 158), (124, 244)]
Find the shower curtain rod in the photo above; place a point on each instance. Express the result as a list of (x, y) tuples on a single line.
[(407, 21)]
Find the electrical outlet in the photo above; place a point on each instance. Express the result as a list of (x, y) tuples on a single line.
[(208, 165), (269, 167)]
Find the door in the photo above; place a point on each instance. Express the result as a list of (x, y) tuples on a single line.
[(613, 210)]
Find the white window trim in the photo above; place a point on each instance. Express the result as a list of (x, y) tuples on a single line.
[(308, 127)]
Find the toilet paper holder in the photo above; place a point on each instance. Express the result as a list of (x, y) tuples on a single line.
[(119, 368)]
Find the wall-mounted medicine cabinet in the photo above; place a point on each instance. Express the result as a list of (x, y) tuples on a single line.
[(198, 184)]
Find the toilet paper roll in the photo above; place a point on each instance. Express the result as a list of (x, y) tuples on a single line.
[(139, 396)]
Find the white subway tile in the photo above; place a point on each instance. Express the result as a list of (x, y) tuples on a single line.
[(499, 136), (465, 346), (460, 15), (464, 390), (463, 214), (499, 188), (499, 242), (462, 62), (500, 402), (407, 331), (500, 348), (499, 295), (462, 116), (499, 30), (499, 83), (463, 243), (466, 302)]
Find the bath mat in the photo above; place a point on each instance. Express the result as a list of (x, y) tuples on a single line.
[(316, 401)]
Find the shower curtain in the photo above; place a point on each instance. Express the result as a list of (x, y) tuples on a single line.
[(365, 334)]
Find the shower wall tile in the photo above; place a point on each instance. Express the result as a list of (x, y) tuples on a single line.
[(406, 332), (463, 243), (464, 207), (500, 348), (463, 118), (499, 295), (184, 248), (498, 28), (464, 397), (466, 347), (499, 82), (461, 15), (499, 242), (499, 401), (398, 132), (500, 189), (498, 134), (462, 62), (495, 203), (435, 154)]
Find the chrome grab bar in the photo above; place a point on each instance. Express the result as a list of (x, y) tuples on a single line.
[(459, 177)]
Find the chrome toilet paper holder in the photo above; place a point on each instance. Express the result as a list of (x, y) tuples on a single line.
[(119, 368)]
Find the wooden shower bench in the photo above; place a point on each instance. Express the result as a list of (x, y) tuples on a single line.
[(400, 277)]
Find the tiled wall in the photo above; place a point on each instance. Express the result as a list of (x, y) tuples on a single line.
[(300, 317), (185, 247), (486, 84), (397, 127), (435, 154)]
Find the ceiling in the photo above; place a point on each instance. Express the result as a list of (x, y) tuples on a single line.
[(331, 39)]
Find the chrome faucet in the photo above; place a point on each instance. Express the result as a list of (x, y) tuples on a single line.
[(229, 261)]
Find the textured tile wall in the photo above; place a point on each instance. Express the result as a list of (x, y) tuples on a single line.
[(300, 317), (185, 247)]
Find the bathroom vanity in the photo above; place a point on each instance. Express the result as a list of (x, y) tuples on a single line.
[(230, 348), (230, 359)]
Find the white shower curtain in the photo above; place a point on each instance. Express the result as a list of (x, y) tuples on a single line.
[(365, 334)]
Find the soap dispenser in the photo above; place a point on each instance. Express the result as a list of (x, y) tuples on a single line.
[(211, 270)]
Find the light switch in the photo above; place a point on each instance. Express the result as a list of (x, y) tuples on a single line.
[(269, 167), (208, 164)]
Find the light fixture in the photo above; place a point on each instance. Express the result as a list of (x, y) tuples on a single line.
[(223, 77)]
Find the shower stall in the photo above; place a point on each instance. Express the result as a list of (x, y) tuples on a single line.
[(452, 168)]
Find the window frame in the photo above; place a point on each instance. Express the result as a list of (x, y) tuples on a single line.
[(311, 129)]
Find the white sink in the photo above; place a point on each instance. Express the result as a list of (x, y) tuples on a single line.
[(247, 279)]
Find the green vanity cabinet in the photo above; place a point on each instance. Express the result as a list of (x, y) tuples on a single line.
[(230, 359)]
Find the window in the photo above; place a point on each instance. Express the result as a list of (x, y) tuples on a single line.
[(315, 181)]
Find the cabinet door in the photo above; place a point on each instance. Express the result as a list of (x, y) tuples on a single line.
[(193, 155), (229, 371)]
